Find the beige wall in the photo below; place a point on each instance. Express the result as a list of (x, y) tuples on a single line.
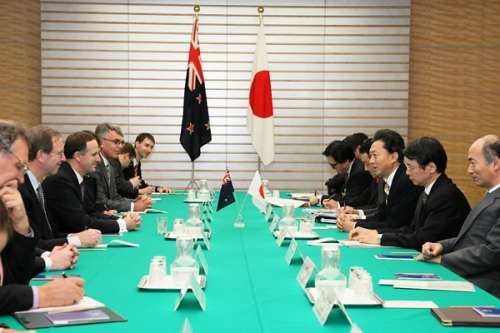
[(20, 64), (454, 73), (455, 78)]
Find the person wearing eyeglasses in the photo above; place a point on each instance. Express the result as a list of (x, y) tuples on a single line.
[(111, 143), (65, 192), (342, 159), (17, 255), (46, 153), (441, 209)]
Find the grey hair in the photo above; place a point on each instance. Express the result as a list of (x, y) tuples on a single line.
[(491, 148), (9, 132), (41, 139), (103, 128)]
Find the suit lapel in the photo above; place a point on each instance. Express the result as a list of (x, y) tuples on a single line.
[(105, 176), (486, 201)]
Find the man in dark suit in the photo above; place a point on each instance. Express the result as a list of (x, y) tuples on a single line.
[(111, 142), (144, 144), (64, 192), (474, 253), (46, 153), (373, 195), (16, 258), (441, 209), (401, 195), (341, 158), (126, 188)]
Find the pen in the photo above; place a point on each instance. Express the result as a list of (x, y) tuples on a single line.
[(64, 275), (106, 207)]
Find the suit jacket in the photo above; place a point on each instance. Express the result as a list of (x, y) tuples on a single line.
[(359, 180), (440, 218), (128, 173), (106, 190), (373, 196), (49, 235), (400, 206), (69, 211), (123, 187), (17, 262), (474, 254)]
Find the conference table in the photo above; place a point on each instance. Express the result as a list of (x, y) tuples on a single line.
[(250, 287)]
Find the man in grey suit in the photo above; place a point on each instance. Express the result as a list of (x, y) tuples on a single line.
[(111, 142), (474, 254)]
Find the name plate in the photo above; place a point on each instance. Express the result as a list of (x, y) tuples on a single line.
[(270, 210), (203, 260), (305, 272), (282, 236), (197, 291), (294, 246), (187, 327), (276, 219), (324, 304), (205, 239), (207, 225)]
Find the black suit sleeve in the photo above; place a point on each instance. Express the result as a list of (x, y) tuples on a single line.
[(15, 297), (123, 187), (17, 259), (400, 209), (68, 212)]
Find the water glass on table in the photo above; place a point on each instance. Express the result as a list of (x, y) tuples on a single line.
[(162, 223)]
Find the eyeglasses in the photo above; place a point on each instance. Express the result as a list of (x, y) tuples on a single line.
[(333, 165), (115, 141), (411, 168), (24, 166)]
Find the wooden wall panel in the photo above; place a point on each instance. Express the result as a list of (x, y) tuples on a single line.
[(20, 61), (454, 86)]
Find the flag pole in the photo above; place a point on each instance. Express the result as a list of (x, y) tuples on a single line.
[(192, 183)]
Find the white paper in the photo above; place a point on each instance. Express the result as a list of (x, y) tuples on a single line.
[(349, 298), (115, 242), (351, 243), (85, 303), (435, 285), (410, 304), (280, 202), (302, 196)]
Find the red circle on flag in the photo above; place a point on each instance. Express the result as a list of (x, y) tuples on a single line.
[(261, 191), (261, 99)]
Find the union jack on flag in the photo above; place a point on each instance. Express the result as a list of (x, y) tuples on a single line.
[(226, 196)]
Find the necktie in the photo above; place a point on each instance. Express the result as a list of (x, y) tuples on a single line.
[(108, 173), (424, 197), (136, 170), (39, 192), (82, 189), (386, 191), (1, 272)]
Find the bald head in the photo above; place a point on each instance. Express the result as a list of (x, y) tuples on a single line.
[(484, 161)]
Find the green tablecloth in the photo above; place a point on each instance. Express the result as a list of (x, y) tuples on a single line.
[(250, 287)]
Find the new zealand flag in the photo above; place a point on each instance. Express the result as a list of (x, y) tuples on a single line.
[(195, 131), (226, 196)]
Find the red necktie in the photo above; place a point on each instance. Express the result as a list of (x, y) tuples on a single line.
[(136, 170)]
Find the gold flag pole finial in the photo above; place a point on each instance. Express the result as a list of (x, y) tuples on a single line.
[(196, 10), (260, 10)]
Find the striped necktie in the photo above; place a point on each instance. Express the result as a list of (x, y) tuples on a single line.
[(136, 170), (108, 173), (41, 198)]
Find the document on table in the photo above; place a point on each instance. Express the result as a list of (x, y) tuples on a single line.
[(280, 202), (410, 304), (85, 303), (430, 285), (351, 243)]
